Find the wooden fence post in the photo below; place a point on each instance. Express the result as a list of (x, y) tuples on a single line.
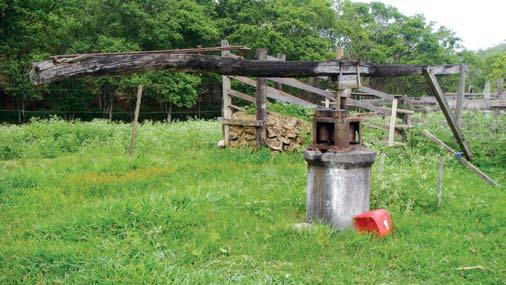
[(227, 100), (500, 87), (261, 102), (393, 118), (486, 91), (439, 182), (133, 138), (460, 96)]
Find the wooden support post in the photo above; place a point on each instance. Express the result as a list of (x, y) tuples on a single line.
[(443, 104), (393, 118), (339, 53), (439, 182), (277, 85), (460, 96), (133, 138), (486, 91), (261, 102), (227, 99), (462, 160), (500, 87)]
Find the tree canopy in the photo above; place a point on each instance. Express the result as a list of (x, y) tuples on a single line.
[(302, 29)]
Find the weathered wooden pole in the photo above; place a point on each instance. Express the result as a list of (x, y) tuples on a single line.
[(486, 91), (261, 102), (445, 108), (439, 182), (393, 118), (226, 98), (462, 160), (133, 138), (500, 87), (460, 96)]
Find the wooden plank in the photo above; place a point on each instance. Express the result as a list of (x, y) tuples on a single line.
[(241, 95), (187, 50), (393, 118), (292, 82), (133, 137), (376, 93), (238, 122), (381, 110), (236, 108), (460, 96), (277, 94), (462, 160), (443, 104), (261, 103), (227, 100), (446, 69)]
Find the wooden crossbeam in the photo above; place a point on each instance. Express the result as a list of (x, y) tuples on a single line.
[(277, 94), (292, 82), (238, 122), (381, 110), (240, 95), (445, 108), (376, 93)]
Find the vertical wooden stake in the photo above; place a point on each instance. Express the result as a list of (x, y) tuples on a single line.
[(500, 87), (261, 102), (133, 138), (439, 182), (382, 164), (486, 90), (460, 96), (393, 118), (227, 100)]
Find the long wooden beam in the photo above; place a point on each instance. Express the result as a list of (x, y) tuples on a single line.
[(376, 93), (292, 82), (111, 64), (277, 94), (445, 108), (466, 163)]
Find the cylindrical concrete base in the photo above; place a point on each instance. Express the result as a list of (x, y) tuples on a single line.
[(338, 185)]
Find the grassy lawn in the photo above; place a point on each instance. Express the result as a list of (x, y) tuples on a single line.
[(74, 208)]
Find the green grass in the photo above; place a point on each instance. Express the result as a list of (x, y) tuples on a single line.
[(74, 208)]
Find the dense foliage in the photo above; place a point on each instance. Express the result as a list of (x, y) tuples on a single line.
[(31, 30)]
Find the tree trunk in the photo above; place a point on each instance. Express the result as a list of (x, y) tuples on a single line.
[(110, 109), (99, 97), (23, 108), (169, 112)]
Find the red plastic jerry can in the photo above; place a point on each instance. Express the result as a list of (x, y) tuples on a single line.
[(376, 221)]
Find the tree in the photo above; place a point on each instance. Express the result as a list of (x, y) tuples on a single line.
[(172, 89)]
